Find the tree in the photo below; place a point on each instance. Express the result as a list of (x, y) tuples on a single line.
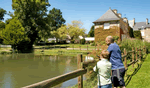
[(73, 30), (56, 18), (76, 29), (2, 13), (61, 33), (31, 14), (14, 33), (91, 32), (2, 26)]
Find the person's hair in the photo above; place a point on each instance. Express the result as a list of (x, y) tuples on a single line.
[(105, 54), (110, 38)]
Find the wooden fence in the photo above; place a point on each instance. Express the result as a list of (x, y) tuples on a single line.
[(136, 56)]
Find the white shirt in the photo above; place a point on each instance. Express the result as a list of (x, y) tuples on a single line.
[(104, 67)]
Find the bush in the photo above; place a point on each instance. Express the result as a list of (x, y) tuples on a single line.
[(53, 41), (116, 38), (129, 43), (87, 42), (92, 44), (82, 41), (137, 34), (72, 41)]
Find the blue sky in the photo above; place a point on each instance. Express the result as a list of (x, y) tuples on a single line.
[(90, 10)]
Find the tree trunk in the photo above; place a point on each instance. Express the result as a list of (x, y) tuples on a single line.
[(13, 48)]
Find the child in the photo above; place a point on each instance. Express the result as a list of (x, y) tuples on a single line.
[(104, 70)]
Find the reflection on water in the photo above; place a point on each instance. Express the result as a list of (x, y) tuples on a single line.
[(7, 80), (18, 70)]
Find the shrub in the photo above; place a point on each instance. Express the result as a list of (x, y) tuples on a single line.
[(72, 41), (92, 44), (3, 52), (82, 41), (129, 43), (53, 41), (116, 38), (87, 42), (137, 34)]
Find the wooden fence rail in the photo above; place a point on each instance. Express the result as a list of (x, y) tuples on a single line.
[(83, 70)]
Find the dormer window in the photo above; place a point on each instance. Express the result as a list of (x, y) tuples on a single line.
[(106, 25)]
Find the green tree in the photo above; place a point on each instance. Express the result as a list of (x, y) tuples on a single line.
[(32, 14), (56, 19), (91, 32), (2, 26), (72, 31), (76, 29), (14, 33), (2, 13)]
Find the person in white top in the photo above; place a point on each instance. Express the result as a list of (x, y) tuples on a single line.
[(103, 69)]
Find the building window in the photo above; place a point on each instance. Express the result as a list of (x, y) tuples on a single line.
[(106, 25)]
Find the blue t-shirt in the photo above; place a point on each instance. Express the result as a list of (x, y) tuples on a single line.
[(115, 56)]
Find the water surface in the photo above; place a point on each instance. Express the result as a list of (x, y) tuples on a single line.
[(19, 70)]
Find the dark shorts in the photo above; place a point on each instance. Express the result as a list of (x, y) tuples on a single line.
[(105, 86), (118, 77)]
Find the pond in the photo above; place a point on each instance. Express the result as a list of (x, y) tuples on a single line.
[(19, 70)]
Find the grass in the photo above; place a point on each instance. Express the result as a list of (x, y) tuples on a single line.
[(60, 52), (141, 79), (57, 49), (131, 80), (68, 46), (61, 49)]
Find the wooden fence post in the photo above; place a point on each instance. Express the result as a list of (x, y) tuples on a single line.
[(145, 49), (125, 59), (140, 54), (133, 57), (80, 78), (95, 47), (80, 48), (136, 53), (87, 47)]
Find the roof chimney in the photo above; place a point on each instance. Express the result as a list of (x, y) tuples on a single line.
[(115, 11), (146, 21), (133, 22), (119, 14), (125, 19)]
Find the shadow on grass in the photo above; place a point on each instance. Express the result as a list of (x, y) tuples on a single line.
[(129, 77)]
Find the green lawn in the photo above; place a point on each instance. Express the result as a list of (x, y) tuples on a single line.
[(68, 46), (60, 52), (142, 78)]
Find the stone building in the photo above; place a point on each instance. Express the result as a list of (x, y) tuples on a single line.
[(111, 23), (143, 27)]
